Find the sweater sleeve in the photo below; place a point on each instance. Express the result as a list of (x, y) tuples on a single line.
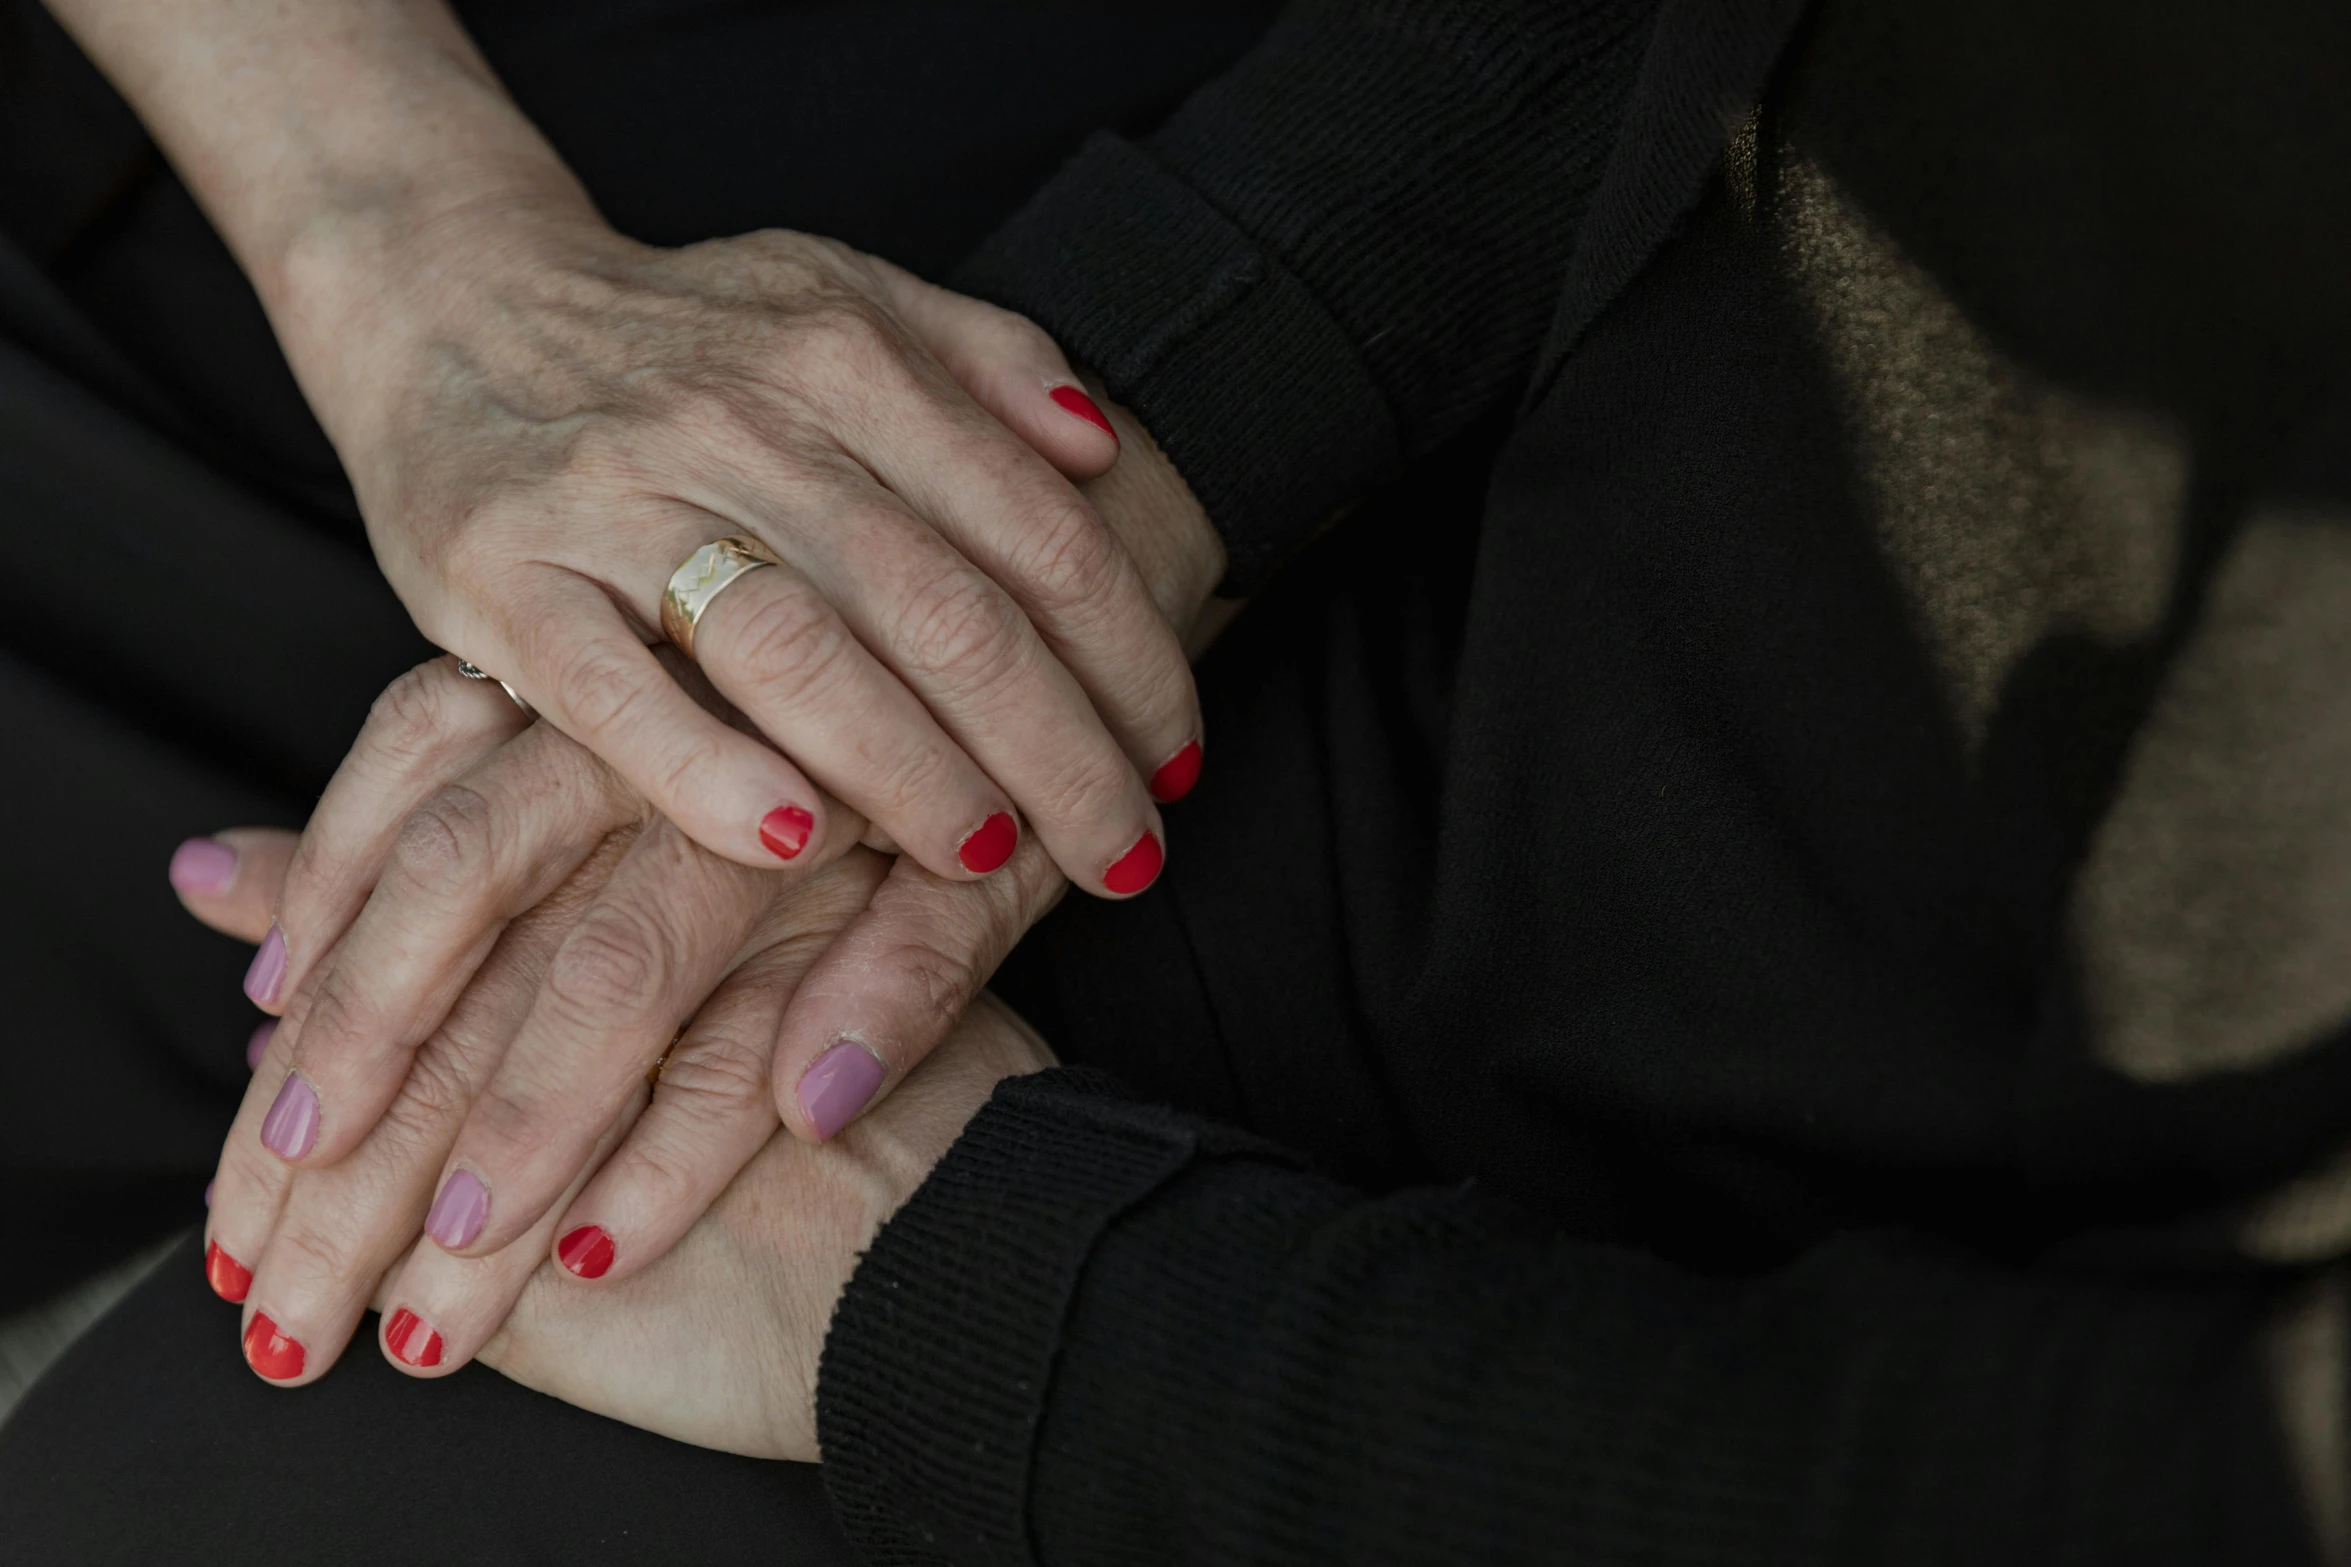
[(1104, 1333), (1335, 256)]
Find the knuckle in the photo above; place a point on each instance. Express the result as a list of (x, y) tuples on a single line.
[(599, 685), (961, 626), (1015, 336), (323, 1254), (1092, 788), (1069, 560), (411, 717), (335, 1017), (444, 844), (935, 985), (432, 1098), (791, 637), (614, 963), (720, 1071)]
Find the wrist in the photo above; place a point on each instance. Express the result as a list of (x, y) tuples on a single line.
[(362, 290)]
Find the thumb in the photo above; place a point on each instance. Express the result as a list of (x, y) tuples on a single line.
[(231, 880), (1010, 367)]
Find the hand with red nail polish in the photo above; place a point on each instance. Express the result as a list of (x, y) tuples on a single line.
[(757, 1276)]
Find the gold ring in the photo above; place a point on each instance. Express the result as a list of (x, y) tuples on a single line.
[(705, 575)]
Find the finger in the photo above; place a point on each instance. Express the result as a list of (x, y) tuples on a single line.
[(712, 1108), (653, 945), (339, 1229), (439, 1309), (1011, 367), (471, 856), (429, 725), (580, 665), (242, 1200), (778, 650), (231, 880), (962, 645), (1028, 529), (1023, 525), (891, 986)]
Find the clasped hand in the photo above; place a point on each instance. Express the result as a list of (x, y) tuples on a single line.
[(488, 934)]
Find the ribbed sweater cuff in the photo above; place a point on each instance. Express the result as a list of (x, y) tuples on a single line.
[(1244, 379), (940, 1355)]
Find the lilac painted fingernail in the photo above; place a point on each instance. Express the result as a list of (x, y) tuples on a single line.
[(208, 1186), (259, 1043), (292, 1123), (459, 1211), (837, 1085), (268, 970), (203, 865)]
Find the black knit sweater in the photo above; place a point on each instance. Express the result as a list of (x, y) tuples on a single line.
[(1773, 898)]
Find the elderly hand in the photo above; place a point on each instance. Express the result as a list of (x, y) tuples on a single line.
[(718, 1343), (304, 1245), (544, 420), (450, 818)]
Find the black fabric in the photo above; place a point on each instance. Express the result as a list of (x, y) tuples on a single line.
[(1737, 1179), (153, 1442), (1337, 257)]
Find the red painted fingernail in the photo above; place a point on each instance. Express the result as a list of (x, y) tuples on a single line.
[(410, 1341), (270, 1352), (1074, 401), (1137, 868), (229, 1278), (1176, 775), (990, 844), (785, 831), (586, 1251)]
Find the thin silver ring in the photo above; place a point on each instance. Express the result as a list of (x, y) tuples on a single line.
[(476, 672)]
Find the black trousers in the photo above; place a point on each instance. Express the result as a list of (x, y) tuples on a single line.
[(146, 420)]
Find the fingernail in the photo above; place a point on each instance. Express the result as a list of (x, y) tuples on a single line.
[(259, 1044), (1137, 868), (268, 970), (990, 844), (785, 831), (291, 1126), (586, 1251), (208, 1186), (271, 1352), (203, 865), (459, 1211), (837, 1085), (1074, 401), (1176, 775), (229, 1278), (410, 1341)]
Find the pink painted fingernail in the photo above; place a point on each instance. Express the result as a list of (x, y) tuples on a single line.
[(837, 1085), (258, 1045), (291, 1126), (268, 970), (785, 831), (1071, 400), (203, 865), (208, 1186), (458, 1213)]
